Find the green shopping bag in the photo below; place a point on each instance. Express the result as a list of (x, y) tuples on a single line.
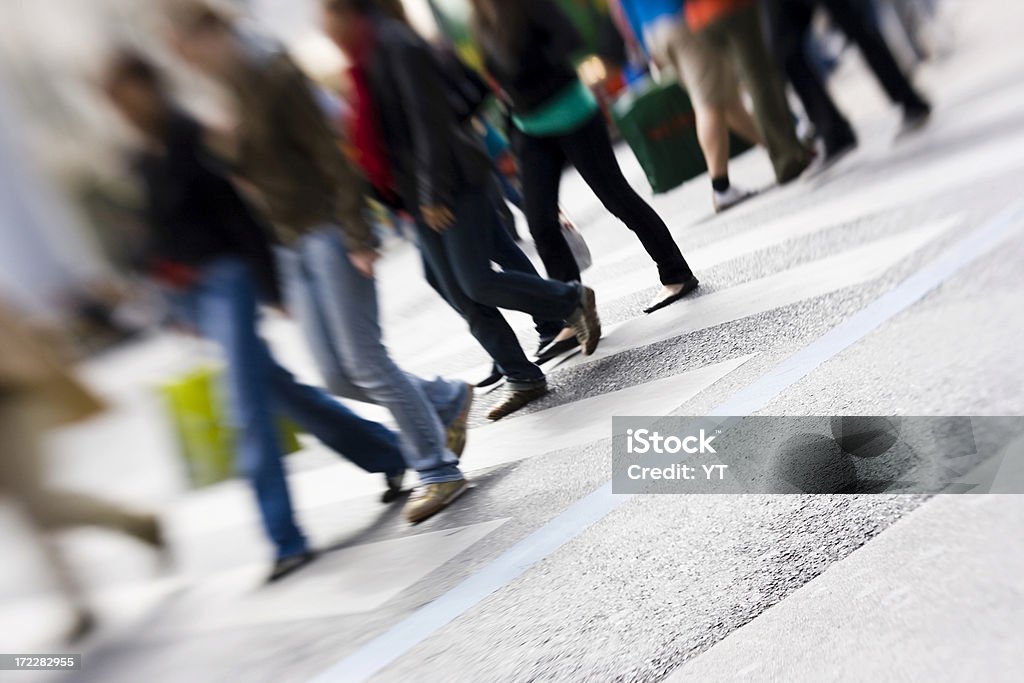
[(205, 437), (658, 122)]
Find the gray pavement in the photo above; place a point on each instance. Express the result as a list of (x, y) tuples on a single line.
[(536, 575)]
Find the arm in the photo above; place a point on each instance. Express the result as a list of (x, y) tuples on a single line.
[(422, 94), (562, 40)]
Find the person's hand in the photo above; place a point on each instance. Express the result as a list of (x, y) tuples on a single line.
[(364, 260), (438, 217)]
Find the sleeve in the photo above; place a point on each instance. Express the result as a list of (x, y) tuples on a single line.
[(305, 123), (422, 94), (561, 39)]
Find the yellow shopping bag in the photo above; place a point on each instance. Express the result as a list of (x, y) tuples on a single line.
[(201, 425)]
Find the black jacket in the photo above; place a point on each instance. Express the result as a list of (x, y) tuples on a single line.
[(194, 211), (433, 155), (539, 65)]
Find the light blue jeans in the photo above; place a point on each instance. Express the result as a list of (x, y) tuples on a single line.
[(336, 306), (222, 305)]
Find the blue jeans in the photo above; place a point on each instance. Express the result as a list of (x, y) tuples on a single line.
[(223, 306), (336, 306), (460, 260)]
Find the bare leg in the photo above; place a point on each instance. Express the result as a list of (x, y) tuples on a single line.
[(742, 122), (713, 135)]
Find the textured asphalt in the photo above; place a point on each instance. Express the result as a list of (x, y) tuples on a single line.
[(663, 579)]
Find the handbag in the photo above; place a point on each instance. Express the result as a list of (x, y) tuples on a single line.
[(578, 245), (206, 439)]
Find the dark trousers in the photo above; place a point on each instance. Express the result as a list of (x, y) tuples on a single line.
[(788, 24), (510, 257), (589, 149), (459, 258)]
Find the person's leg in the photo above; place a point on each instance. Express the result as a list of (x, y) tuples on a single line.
[(788, 23), (741, 33), (713, 135), (226, 313), (589, 148), (469, 245), (741, 122), (542, 162), (348, 302), (855, 23), (507, 254)]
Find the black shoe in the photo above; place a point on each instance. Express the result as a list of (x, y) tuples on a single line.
[(835, 151), (516, 400), (556, 349), (287, 565), (688, 286), (394, 487), (915, 116), (491, 379)]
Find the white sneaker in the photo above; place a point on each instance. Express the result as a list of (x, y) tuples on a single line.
[(729, 198)]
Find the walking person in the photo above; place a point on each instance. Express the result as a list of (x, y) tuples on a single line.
[(444, 176), (789, 22), (733, 28), (528, 48), (211, 256), (710, 79), (288, 152), (37, 394)]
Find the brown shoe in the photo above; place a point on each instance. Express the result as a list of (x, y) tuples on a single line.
[(517, 399), (456, 432), (432, 498), (586, 322)]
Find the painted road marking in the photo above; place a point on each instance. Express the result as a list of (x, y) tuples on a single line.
[(424, 622)]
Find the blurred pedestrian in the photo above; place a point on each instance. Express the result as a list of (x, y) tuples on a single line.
[(443, 174), (734, 29), (36, 394), (711, 81), (288, 152), (788, 23), (528, 48), (212, 256)]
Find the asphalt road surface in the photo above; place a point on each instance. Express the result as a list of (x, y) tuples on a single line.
[(889, 286)]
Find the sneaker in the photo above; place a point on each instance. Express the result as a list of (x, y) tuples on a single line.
[(585, 321), (394, 487), (516, 400), (288, 565), (725, 200), (491, 379), (456, 432), (432, 498), (915, 116)]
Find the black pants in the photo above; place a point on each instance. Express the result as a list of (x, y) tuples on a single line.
[(459, 261), (788, 23), (589, 149)]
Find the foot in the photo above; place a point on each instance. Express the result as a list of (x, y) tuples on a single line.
[(288, 565), (725, 200), (432, 498), (491, 379), (915, 116), (394, 487), (585, 321), (83, 624), (837, 149), (670, 294), (456, 432), (516, 400), (565, 341)]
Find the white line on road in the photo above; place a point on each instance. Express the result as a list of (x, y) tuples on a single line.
[(424, 622)]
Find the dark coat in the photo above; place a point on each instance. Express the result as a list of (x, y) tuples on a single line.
[(195, 212), (434, 155)]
